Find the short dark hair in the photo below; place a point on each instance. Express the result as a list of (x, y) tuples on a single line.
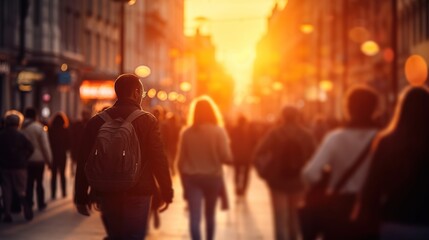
[(361, 103), (30, 113), (125, 84), (11, 121)]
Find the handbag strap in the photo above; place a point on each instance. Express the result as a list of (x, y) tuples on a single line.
[(359, 160)]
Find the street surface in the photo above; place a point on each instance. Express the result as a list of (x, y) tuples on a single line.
[(246, 219)]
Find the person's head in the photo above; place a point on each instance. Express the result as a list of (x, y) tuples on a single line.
[(412, 112), (30, 113), (204, 110), (290, 115), (13, 119), (129, 86), (241, 120), (60, 120), (361, 104)]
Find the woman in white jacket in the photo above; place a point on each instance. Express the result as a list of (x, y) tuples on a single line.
[(203, 146)]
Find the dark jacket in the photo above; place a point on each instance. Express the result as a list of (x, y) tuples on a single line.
[(15, 149), (397, 186), (60, 141), (154, 161), (291, 146)]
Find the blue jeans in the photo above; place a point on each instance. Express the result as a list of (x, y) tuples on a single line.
[(125, 217), (198, 188)]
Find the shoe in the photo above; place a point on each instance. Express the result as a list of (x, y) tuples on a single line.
[(7, 219), (28, 211)]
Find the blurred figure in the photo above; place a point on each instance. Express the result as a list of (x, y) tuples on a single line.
[(15, 149), (76, 134), (319, 128), (203, 146), (339, 150), (396, 192), (241, 150), (59, 139), (38, 136), (291, 146), (171, 132)]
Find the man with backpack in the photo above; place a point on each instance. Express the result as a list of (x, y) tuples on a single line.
[(121, 161), (279, 159)]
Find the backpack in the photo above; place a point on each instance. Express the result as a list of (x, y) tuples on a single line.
[(288, 158), (114, 163)]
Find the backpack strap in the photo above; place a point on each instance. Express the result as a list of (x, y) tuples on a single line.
[(137, 113), (105, 116)]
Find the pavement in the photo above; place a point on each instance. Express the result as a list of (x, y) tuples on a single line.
[(248, 218)]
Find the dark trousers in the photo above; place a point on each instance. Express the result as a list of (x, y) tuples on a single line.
[(199, 188), (241, 177), (58, 167), (35, 174), (125, 217)]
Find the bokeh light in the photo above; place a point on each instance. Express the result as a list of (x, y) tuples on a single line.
[(142, 71), (370, 48), (416, 70), (307, 28), (162, 95), (326, 85), (151, 93), (64, 67), (172, 96), (185, 86)]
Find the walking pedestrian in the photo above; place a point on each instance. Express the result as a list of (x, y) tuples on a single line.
[(203, 146), (133, 152), (59, 139), (242, 151), (289, 146), (42, 155), (395, 196), (340, 150), (15, 149)]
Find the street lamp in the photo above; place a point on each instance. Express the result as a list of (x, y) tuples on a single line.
[(122, 32)]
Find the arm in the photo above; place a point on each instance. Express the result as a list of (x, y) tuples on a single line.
[(313, 170), (46, 146), (159, 162)]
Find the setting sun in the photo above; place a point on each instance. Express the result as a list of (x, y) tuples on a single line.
[(235, 27)]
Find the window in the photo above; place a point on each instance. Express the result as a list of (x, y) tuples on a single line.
[(98, 50), (37, 12), (88, 47), (89, 7)]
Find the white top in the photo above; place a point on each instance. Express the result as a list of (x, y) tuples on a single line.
[(38, 136), (202, 150), (340, 149)]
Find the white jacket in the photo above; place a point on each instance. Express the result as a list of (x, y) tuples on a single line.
[(340, 149), (38, 136)]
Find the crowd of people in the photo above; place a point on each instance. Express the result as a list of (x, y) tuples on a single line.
[(373, 177)]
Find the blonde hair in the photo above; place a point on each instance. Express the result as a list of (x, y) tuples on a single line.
[(204, 110)]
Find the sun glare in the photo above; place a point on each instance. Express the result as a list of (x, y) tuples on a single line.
[(236, 27)]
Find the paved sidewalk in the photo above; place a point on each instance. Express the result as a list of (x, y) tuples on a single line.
[(246, 219)]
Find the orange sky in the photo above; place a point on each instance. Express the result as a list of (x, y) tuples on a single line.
[(235, 26)]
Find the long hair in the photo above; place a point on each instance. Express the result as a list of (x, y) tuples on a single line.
[(411, 119), (204, 110), (60, 120)]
